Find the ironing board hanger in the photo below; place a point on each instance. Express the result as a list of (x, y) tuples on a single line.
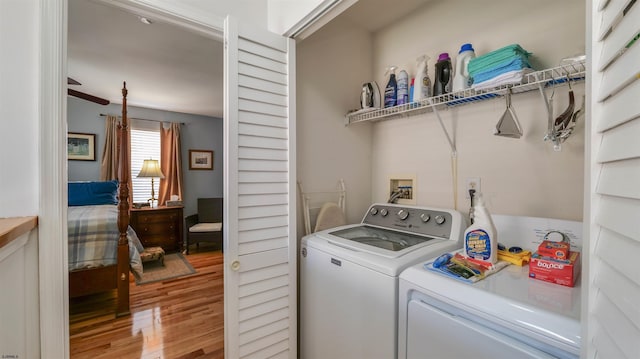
[(312, 202)]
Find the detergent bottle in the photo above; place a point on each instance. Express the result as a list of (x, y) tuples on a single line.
[(480, 238), (442, 81), (391, 90), (461, 80), (422, 87)]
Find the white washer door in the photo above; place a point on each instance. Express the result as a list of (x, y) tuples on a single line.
[(433, 333)]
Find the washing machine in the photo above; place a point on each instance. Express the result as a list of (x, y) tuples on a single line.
[(349, 278), (505, 315)]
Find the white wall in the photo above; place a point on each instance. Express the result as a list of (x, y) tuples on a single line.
[(518, 176), (331, 65), (283, 14), (19, 76)]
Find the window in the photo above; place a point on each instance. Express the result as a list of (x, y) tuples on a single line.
[(145, 144)]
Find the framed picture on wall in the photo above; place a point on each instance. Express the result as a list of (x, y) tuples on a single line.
[(81, 146), (200, 160)]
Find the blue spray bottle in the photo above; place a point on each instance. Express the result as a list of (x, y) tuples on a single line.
[(391, 90)]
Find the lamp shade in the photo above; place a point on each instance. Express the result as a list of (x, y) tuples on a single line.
[(151, 168)]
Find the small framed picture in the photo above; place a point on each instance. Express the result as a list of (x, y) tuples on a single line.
[(200, 160), (81, 146)]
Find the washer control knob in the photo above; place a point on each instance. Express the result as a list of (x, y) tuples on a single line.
[(403, 214), (425, 217), (439, 219), (384, 212), (373, 211)]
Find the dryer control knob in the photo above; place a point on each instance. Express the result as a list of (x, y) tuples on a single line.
[(439, 219), (425, 217), (373, 211), (384, 212), (403, 214)]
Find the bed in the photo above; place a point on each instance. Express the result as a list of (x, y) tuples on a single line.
[(112, 271)]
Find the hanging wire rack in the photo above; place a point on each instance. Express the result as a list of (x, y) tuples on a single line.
[(552, 77)]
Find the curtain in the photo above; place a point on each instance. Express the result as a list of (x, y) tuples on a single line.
[(109, 164), (170, 163)]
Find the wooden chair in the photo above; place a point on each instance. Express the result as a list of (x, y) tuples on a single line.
[(206, 225)]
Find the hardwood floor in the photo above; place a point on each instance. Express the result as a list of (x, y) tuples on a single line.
[(179, 318)]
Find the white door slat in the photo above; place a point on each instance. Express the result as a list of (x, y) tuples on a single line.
[(262, 200), (605, 345), (275, 271), (262, 39), (262, 85), (261, 246), (258, 165), (260, 50), (259, 107), (263, 131), (261, 260), (262, 234), (262, 142), (260, 61), (282, 355), (608, 280), (260, 73), (247, 93), (620, 253), (262, 177), (617, 41), (263, 285), (263, 154), (260, 332), (264, 222), (272, 317), (620, 215), (620, 179), (262, 188), (610, 15), (264, 307), (622, 107), (621, 73), (602, 4), (263, 119), (269, 351), (614, 322), (263, 211)]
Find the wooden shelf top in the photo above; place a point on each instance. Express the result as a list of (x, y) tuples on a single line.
[(14, 227)]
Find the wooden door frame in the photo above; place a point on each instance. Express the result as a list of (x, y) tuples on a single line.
[(53, 266)]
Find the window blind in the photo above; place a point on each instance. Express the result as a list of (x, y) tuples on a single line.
[(145, 144)]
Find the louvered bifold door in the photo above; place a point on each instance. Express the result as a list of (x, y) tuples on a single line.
[(259, 223), (613, 314)]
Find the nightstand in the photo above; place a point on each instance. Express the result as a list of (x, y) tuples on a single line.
[(158, 227)]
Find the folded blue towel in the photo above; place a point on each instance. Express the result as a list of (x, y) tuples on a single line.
[(501, 68), (485, 61)]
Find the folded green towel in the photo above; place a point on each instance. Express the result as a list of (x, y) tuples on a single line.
[(486, 61)]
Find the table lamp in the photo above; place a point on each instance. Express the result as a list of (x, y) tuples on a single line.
[(151, 168)]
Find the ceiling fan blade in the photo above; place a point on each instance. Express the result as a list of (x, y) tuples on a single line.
[(87, 97), (71, 81)]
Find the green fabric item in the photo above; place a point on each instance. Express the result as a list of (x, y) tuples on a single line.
[(486, 61)]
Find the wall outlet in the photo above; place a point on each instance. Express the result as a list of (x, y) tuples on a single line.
[(472, 183)]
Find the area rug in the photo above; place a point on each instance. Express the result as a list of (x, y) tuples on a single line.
[(175, 266)]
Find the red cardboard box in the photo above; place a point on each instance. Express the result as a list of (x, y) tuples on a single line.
[(558, 250), (563, 272)]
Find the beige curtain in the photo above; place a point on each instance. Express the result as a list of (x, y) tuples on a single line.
[(109, 165), (170, 163)]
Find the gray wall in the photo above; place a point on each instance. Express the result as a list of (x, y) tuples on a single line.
[(198, 132)]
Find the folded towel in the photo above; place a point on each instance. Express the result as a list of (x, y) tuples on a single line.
[(487, 60), (515, 77), (500, 68)]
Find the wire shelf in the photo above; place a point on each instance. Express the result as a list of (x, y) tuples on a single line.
[(574, 72)]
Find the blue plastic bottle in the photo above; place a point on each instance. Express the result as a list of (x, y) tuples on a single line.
[(391, 91)]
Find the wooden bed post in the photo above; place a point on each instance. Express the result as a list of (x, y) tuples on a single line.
[(122, 306)]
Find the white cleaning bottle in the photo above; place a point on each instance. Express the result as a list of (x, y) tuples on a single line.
[(403, 88), (422, 86), (480, 238), (461, 80)]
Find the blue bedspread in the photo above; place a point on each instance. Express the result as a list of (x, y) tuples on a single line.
[(93, 238)]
